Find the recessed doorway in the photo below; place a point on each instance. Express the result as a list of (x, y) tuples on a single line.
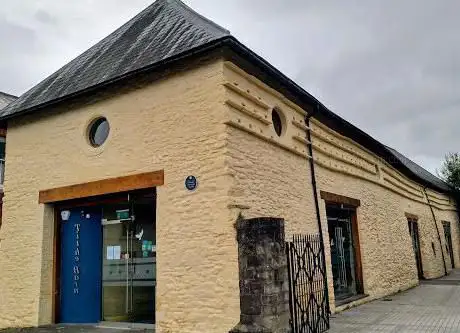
[(345, 252), (414, 235), (107, 259), (448, 238), (129, 261)]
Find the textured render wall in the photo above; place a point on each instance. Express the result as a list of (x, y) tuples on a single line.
[(175, 124), (448, 216), (271, 176), (269, 179), (387, 258)]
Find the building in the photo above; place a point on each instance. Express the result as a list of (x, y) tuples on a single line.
[(5, 99), (144, 150)]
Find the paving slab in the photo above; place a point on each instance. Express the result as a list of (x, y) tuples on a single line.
[(430, 307), (76, 329)]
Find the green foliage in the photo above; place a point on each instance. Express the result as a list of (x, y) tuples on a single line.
[(450, 170)]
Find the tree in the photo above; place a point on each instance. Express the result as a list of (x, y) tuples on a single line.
[(450, 170)]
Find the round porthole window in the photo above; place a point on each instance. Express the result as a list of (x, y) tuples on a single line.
[(277, 120), (98, 131)]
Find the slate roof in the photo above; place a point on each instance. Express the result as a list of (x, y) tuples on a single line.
[(164, 29), (6, 99), (419, 171), (170, 31)]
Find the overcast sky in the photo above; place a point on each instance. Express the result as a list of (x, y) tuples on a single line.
[(391, 68)]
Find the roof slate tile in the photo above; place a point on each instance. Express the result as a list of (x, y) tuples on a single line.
[(164, 29)]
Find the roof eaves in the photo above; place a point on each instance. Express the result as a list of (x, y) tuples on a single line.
[(425, 177), (197, 51), (324, 115), (333, 120), (8, 95)]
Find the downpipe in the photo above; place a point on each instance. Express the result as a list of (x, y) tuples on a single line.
[(315, 196), (437, 230)]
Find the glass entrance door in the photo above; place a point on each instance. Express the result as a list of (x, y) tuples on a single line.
[(448, 237), (343, 252), (129, 262), (413, 230)]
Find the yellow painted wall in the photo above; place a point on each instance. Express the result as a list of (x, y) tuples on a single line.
[(175, 124), (214, 122), (271, 176)]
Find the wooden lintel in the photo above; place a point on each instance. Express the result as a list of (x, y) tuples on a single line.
[(101, 187), (411, 216), (2, 132), (340, 199)]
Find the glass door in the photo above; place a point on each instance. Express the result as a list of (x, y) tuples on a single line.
[(129, 262), (448, 237), (413, 230), (343, 252)]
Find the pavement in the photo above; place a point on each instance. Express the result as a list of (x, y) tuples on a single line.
[(77, 329), (433, 306)]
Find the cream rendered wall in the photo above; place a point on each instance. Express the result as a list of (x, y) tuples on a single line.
[(271, 176), (175, 124), (213, 121)]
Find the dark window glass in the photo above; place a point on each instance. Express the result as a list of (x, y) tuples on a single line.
[(2, 149), (98, 132), (277, 123)]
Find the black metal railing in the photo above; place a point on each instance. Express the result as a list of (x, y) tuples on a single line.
[(308, 296)]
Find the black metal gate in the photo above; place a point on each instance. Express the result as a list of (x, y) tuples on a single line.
[(308, 295)]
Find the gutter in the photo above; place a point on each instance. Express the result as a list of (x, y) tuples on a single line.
[(437, 230), (315, 196)]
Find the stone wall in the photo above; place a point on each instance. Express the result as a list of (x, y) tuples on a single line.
[(263, 276)]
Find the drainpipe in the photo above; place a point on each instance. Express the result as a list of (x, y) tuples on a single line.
[(437, 230), (315, 196)]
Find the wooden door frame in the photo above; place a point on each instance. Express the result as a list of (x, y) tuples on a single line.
[(56, 305), (99, 192), (356, 242)]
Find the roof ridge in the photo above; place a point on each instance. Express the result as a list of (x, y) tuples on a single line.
[(203, 19), (79, 55)]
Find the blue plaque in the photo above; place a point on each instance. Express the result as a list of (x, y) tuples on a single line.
[(191, 183)]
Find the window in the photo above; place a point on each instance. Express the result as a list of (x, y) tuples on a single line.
[(98, 131), (449, 245), (278, 121), (2, 159)]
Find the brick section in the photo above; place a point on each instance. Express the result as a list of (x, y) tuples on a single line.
[(263, 276)]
